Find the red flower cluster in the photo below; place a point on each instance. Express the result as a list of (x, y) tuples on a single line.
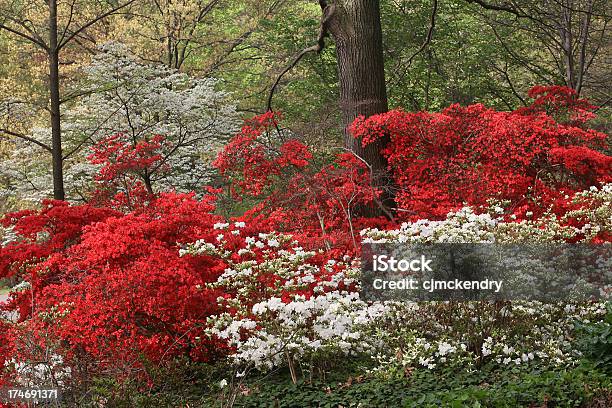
[(470, 155), (316, 203), (561, 103), (45, 232), (119, 158), (124, 167), (251, 165), (112, 287)]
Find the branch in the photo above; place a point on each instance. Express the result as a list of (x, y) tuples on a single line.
[(24, 35), (69, 21), (380, 205), (93, 21), (602, 105), (75, 95), (26, 138), (432, 26), (495, 7), (318, 47), (504, 72)]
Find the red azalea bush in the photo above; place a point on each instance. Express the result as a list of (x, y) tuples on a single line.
[(141, 297), (52, 229), (124, 168), (251, 166), (118, 293), (473, 155), (119, 158), (317, 203), (561, 103)]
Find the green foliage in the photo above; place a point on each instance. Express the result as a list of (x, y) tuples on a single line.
[(464, 62), (596, 341), (488, 387), (182, 384), (349, 383)]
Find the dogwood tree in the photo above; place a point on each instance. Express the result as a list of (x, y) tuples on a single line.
[(139, 101), (133, 102)]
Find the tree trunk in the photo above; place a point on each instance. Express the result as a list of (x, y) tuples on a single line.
[(356, 28), (146, 177), (54, 96)]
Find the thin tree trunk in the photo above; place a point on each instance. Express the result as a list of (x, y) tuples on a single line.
[(568, 43), (54, 96), (147, 182)]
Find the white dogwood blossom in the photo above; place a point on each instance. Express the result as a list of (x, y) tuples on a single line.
[(138, 100)]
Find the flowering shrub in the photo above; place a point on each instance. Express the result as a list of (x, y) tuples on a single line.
[(283, 306), (124, 179), (593, 220), (36, 235), (118, 290), (435, 335), (251, 166), (473, 155), (316, 203), (561, 103)]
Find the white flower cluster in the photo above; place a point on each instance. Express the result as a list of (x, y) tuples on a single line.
[(271, 323), (21, 287), (8, 236), (266, 329), (461, 226), (464, 226), (52, 372), (435, 334), (327, 324)]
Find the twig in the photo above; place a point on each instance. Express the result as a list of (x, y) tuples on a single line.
[(328, 11)]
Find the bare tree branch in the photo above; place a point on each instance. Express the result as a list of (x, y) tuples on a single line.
[(8, 132), (496, 7), (91, 22), (318, 47), (24, 36), (432, 26), (70, 16)]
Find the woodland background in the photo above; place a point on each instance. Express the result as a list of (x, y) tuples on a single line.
[(435, 54), (185, 186)]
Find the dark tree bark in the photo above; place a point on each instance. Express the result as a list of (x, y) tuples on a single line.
[(356, 29), (54, 97)]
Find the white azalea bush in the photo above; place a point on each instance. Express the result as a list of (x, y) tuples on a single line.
[(438, 334), (286, 306)]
